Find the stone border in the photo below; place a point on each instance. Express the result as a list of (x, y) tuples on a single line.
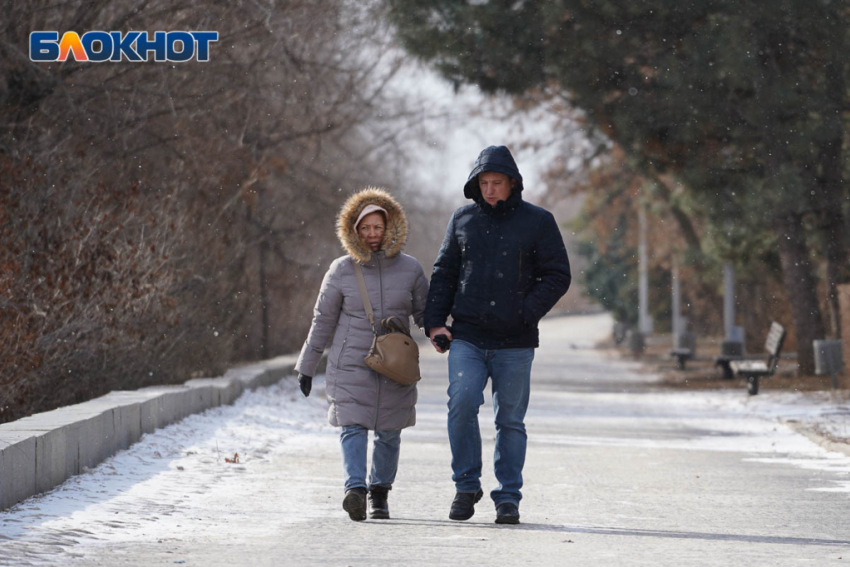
[(39, 452), (809, 431)]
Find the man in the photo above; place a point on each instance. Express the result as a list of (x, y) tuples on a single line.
[(501, 267)]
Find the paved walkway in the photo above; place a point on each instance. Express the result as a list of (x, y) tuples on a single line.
[(619, 472)]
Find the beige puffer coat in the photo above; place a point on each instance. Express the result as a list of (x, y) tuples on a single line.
[(397, 286)]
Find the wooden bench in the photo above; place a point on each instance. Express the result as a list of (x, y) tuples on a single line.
[(752, 370), (685, 349), (729, 351)]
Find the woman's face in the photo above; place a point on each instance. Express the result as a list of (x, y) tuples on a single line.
[(371, 230)]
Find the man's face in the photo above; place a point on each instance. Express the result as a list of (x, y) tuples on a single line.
[(495, 187)]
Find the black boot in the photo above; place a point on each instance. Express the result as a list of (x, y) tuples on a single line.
[(463, 506), (378, 507), (507, 513), (355, 504)]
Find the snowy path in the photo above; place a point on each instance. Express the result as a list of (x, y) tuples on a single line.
[(618, 472)]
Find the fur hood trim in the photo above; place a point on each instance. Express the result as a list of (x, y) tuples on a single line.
[(395, 235)]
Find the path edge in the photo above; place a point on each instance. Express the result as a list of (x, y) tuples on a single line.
[(41, 451)]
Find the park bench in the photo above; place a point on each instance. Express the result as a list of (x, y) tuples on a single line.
[(752, 370), (684, 349), (729, 352)]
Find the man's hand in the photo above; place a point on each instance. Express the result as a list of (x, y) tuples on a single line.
[(306, 383), (440, 331)]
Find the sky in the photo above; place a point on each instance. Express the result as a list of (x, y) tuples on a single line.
[(473, 125)]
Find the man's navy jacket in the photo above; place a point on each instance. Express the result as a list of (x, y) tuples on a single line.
[(500, 269)]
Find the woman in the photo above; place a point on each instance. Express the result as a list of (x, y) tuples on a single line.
[(372, 228)]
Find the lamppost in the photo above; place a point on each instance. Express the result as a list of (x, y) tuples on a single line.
[(733, 343), (636, 340), (644, 319), (677, 300)]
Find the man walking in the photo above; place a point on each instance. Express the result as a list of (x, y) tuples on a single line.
[(501, 267)]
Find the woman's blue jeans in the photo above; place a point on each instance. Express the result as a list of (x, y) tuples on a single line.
[(510, 370), (354, 441)]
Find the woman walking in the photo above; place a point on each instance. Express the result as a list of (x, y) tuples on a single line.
[(372, 228)]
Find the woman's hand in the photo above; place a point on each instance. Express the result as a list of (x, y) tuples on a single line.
[(306, 383), (440, 331)]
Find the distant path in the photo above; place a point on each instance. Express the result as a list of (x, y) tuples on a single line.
[(619, 472)]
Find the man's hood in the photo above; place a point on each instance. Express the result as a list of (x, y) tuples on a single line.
[(395, 234), (497, 159)]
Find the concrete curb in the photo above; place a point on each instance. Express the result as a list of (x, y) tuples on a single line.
[(41, 451), (812, 434)]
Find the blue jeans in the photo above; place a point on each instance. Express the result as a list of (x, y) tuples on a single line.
[(354, 440), (469, 369)]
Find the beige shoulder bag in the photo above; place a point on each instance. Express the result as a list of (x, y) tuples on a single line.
[(394, 354)]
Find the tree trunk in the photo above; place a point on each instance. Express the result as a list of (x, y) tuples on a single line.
[(264, 260), (828, 205), (689, 233), (829, 196), (799, 281), (264, 297)]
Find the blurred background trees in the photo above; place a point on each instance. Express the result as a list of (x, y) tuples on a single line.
[(161, 221), (727, 118)]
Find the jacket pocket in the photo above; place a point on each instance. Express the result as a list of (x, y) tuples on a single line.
[(344, 343)]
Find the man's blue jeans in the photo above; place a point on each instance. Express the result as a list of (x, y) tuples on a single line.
[(469, 369), (354, 440)]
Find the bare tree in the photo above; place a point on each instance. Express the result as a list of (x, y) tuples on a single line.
[(163, 220)]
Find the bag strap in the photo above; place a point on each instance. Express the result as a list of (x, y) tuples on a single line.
[(364, 295)]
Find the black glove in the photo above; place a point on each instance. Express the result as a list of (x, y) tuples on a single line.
[(306, 383), (443, 342)]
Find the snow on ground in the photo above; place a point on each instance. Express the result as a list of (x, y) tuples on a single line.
[(827, 413), (142, 493), (176, 479)]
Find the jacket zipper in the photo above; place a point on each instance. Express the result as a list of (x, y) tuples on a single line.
[(378, 404), (381, 286), (380, 378), (520, 266)]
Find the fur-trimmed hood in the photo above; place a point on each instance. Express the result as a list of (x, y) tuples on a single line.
[(395, 235)]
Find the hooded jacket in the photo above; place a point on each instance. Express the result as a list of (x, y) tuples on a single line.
[(397, 286), (500, 269)]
